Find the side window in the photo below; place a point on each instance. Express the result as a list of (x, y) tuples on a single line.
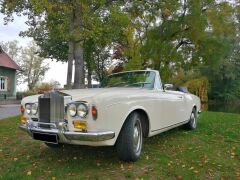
[(158, 83), (3, 83)]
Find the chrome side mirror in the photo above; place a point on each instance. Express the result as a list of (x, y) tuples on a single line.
[(168, 86)]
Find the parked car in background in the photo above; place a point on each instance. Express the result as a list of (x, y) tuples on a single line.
[(128, 107)]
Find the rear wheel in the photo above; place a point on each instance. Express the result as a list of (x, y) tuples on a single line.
[(130, 140), (192, 123)]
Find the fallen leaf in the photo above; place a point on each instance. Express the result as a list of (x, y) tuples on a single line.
[(15, 159), (191, 168), (54, 178), (29, 173), (130, 165), (179, 178), (71, 174)]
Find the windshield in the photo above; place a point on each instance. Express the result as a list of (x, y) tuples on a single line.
[(141, 79)]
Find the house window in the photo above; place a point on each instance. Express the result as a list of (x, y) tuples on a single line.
[(3, 83)]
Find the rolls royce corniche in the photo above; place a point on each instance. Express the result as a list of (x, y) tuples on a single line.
[(128, 107)]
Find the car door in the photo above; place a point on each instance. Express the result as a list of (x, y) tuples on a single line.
[(174, 107)]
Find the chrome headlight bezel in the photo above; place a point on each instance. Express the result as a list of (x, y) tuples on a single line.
[(72, 110), (34, 109), (78, 109), (28, 109), (82, 110), (31, 109)]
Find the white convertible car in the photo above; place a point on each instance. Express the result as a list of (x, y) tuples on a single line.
[(128, 107)]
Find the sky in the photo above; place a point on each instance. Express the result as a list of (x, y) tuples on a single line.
[(9, 32)]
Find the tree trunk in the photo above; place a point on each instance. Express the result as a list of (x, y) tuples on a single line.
[(89, 77), (70, 64), (70, 54), (79, 78)]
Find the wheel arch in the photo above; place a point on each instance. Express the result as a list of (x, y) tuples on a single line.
[(145, 121)]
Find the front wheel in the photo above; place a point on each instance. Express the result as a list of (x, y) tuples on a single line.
[(130, 140), (192, 123)]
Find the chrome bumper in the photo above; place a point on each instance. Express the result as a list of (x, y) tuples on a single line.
[(64, 135)]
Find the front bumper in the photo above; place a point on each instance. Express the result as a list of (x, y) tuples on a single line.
[(65, 136)]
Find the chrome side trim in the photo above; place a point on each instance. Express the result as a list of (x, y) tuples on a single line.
[(66, 136)]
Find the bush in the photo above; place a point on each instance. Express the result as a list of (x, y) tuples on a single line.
[(23, 94)]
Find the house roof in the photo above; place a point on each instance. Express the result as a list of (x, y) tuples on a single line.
[(6, 61)]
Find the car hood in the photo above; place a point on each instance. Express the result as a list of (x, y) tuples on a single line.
[(97, 94)]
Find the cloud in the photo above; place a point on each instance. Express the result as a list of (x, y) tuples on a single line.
[(11, 31)]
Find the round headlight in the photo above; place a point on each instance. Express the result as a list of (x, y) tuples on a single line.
[(82, 110), (72, 110), (28, 109), (34, 109)]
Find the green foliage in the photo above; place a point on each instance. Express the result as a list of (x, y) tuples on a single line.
[(132, 51), (198, 87), (26, 93)]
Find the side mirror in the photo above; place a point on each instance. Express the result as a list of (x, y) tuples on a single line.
[(168, 86)]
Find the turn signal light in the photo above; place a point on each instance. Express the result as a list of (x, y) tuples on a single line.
[(23, 120), (22, 109), (80, 125), (94, 112)]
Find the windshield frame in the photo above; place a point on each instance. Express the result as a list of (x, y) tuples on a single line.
[(135, 71)]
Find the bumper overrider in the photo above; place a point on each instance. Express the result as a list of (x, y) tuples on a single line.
[(59, 130)]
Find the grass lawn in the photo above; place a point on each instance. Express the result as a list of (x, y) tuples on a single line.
[(210, 152)]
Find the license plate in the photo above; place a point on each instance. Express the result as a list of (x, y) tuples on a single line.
[(51, 138)]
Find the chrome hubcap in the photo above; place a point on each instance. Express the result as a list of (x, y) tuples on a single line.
[(137, 137), (193, 119)]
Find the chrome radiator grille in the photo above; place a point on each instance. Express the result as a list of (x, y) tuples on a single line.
[(51, 108)]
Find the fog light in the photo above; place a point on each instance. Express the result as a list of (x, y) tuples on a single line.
[(23, 120), (80, 125)]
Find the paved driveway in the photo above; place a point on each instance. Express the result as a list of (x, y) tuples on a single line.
[(9, 110)]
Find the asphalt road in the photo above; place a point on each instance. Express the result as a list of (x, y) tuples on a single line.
[(9, 110)]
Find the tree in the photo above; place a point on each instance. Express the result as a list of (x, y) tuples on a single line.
[(33, 66), (181, 34), (69, 22), (12, 48)]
